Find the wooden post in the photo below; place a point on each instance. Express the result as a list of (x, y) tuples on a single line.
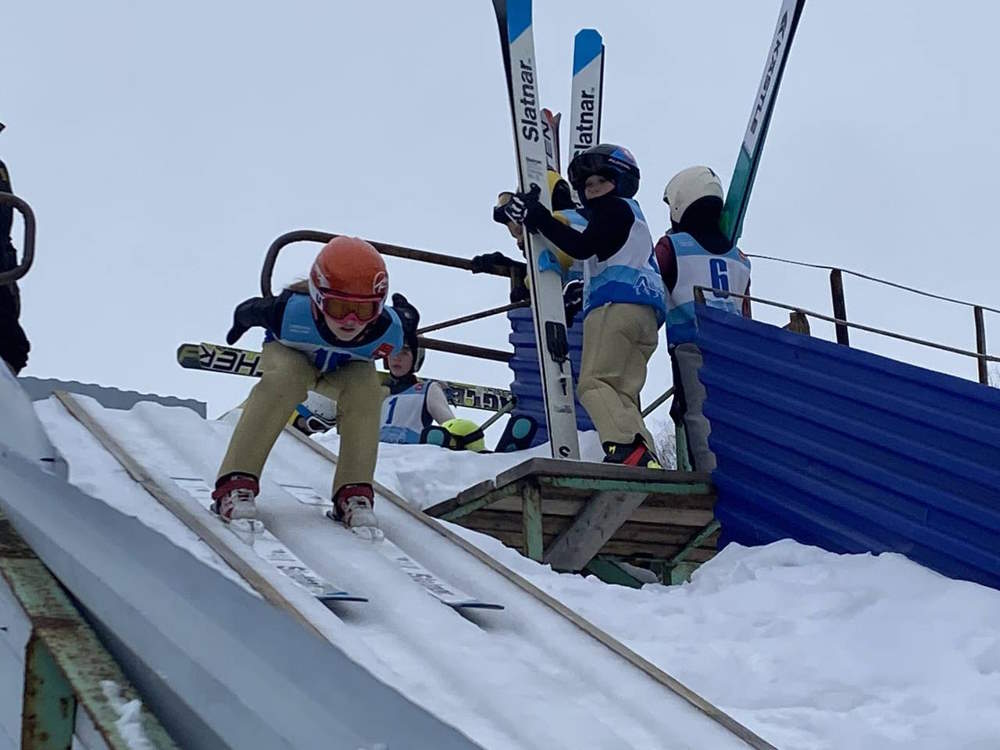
[(531, 520), (593, 526), (798, 323), (839, 305), (984, 375)]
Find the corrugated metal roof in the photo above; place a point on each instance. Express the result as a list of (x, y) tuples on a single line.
[(850, 451)]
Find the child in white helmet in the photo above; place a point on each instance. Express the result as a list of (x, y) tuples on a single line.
[(696, 252)]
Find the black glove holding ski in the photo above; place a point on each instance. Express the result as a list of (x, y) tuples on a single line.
[(572, 299), (256, 311), (522, 204)]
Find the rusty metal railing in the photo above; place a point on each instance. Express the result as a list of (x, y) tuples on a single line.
[(515, 272), (28, 245)]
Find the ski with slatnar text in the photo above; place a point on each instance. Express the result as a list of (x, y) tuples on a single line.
[(520, 65), (588, 91)]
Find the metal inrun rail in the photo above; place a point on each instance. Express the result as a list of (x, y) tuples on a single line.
[(66, 666)]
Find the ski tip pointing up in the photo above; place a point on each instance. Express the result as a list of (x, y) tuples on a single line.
[(518, 18), (587, 45)]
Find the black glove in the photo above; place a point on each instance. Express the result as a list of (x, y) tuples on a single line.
[(486, 261), (409, 317), (520, 204), (499, 214), (572, 299), (535, 214), (256, 311)]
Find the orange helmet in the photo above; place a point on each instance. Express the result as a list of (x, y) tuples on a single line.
[(349, 277)]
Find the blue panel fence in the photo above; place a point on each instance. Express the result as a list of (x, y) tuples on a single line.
[(850, 451), (527, 385)]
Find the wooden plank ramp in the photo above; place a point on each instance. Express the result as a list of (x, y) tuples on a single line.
[(264, 579), (612, 643)]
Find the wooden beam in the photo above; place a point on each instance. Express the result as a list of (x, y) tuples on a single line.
[(662, 487), (553, 467), (660, 515), (531, 522), (592, 529)]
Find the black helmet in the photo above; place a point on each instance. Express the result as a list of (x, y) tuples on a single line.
[(615, 163)]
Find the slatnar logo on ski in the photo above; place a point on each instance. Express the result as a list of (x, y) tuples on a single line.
[(528, 101), (584, 135)]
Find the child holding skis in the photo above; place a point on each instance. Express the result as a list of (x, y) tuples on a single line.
[(326, 339), (622, 294)]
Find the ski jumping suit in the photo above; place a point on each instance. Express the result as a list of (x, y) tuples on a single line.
[(411, 406), (696, 266), (300, 354)]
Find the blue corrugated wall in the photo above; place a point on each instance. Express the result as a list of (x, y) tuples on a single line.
[(527, 385), (850, 451)]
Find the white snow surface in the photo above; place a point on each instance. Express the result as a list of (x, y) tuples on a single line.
[(129, 723), (807, 648)]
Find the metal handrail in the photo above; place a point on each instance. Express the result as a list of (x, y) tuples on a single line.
[(876, 279), (28, 246), (699, 293), (396, 251), (474, 316)]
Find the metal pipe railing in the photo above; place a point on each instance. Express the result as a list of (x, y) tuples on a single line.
[(840, 308), (467, 350), (474, 316), (982, 357), (396, 251), (28, 246)]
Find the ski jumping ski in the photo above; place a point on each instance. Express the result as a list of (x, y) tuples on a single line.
[(235, 361), (270, 549), (738, 195), (431, 583), (518, 49), (588, 91), (550, 132)]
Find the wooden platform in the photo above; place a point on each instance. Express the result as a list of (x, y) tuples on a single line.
[(567, 513)]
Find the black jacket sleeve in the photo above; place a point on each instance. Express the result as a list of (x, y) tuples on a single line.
[(264, 312), (610, 220)]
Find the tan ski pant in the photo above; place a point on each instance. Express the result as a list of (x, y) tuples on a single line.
[(618, 340), (287, 375)]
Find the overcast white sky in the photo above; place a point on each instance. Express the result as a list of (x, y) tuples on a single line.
[(164, 145)]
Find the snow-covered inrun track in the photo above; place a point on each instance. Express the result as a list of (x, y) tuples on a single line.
[(523, 677)]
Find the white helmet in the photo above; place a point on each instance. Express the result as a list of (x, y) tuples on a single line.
[(689, 185)]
